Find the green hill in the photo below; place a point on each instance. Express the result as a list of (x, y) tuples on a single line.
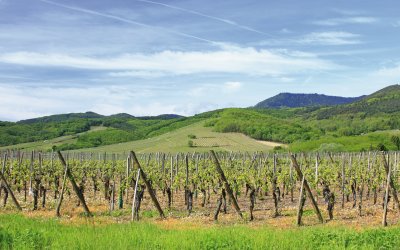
[(204, 139), (385, 101), (305, 128)]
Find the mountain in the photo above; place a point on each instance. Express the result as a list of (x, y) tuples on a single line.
[(385, 101), (160, 117), (62, 117), (122, 116), (92, 115), (289, 100)]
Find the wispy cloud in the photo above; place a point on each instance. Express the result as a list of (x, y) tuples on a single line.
[(396, 24), (315, 38), (197, 13), (124, 20), (331, 38), (227, 59), (138, 74), (347, 20)]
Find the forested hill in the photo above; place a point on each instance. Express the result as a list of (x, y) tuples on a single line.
[(314, 125), (289, 100), (385, 101), (92, 115), (114, 128)]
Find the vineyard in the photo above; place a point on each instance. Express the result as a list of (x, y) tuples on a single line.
[(260, 187)]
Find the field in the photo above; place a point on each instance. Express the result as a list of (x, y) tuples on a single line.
[(196, 204), (177, 141)]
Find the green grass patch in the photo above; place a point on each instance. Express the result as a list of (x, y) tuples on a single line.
[(18, 232)]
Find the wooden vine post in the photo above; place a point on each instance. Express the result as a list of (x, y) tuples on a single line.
[(148, 185), (134, 204), (60, 199), (385, 203), (343, 180), (302, 200), (74, 185), (226, 184), (5, 183), (391, 183), (313, 202)]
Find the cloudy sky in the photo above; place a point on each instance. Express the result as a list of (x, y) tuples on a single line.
[(183, 56)]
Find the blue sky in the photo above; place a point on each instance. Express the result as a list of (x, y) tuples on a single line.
[(152, 57)]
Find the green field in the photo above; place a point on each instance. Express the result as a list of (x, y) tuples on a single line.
[(177, 141), (19, 232)]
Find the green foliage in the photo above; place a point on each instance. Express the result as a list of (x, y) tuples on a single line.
[(396, 141), (190, 144), (345, 143), (14, 133), (261, 126), (381, 147), (331, 147), (192, 136)]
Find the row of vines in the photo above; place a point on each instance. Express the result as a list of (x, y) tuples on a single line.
[(210, 183)]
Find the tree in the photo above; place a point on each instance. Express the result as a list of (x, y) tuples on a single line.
[(396, 141), (382, 147)]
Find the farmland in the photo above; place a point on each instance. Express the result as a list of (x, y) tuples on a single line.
[(192, 195)]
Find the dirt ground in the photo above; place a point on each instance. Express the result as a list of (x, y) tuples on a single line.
[(178, 218)]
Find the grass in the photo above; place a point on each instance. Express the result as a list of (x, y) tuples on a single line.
[(19, 232), (177, 141)]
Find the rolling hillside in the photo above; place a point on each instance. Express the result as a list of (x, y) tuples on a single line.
[(175, 141), (340, 127)]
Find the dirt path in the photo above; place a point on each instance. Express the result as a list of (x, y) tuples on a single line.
[(271, 144)]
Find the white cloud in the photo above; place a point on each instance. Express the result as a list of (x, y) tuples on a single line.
[(17, 104), (317, 38), (138, 74), (287, 79), (331, 38), (209, 89), (232, 86), (226, 59), (346, 20), (392, 73), (199, 91)]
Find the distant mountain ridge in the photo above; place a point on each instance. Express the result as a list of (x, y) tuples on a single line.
[(93, 115), (290, 100)]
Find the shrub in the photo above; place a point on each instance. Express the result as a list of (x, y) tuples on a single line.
[(191, 136)]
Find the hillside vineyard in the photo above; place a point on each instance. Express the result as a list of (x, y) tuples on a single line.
[(253, 186)]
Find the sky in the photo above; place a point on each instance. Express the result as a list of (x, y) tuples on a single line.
[(146, 57)]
